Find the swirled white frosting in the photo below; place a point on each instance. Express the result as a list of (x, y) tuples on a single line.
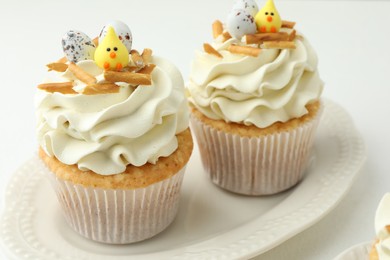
[(382, 220), (275, 86), (105, 133)]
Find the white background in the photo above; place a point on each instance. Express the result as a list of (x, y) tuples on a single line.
[(351, 38)]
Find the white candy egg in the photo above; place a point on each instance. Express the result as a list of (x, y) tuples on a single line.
[(248, 5), (239, 23), (122, 31), (77, 46)]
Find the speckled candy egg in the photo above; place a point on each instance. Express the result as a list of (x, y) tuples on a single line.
[(122, 31), (77, 46), (248, 5), (239, 23)]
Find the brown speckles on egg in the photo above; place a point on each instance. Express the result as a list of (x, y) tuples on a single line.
[(249, 6), (239, 23), (77, 46), (90, 44)]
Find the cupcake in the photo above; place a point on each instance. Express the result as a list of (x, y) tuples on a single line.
[(113, 134), (254, 94), (381, 247)]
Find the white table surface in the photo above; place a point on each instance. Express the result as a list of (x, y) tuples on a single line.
[(352, 40)]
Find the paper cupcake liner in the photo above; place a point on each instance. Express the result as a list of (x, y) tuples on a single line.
[(119, 216), (257, 165)]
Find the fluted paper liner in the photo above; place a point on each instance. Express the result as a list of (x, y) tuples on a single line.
[(257, 165), (119, 216)]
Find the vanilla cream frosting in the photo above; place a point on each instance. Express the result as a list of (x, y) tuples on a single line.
[(382, 220), (273, 87), (106, 132)]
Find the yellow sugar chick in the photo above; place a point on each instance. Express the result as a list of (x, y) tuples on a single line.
[(111, 54), (268, 18)]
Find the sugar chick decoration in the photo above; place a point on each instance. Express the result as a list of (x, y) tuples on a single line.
[(111, 54), (268, 18), (122, 31), (77, 46)]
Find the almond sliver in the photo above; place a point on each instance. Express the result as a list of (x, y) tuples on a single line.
[(278, 45), (244, 50), (226, 36), (62, 60), (288, 24), (217, 28), (147, 55), (210, 50), (81, 74), (261, 37), (292, 35), (61, 87), (57, 66), (137, 58), (128, 77), (96, 41), (148, 69)]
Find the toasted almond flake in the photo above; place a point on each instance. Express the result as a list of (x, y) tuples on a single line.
[(252, 39), (57, 66), (101, 88), (96, 41), (128, 77), (217, 28), (62, 60), (61, 87), (244, 50), (278, 45), (288, 24), (131, 68), (147, 55), (373, 254), (292, 35), (261, 37), (226, 36), (81, 74), (137, 58), (148, 69), (210, 50)]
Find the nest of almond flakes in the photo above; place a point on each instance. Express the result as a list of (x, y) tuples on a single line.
[(279, 40), (137, 74)]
